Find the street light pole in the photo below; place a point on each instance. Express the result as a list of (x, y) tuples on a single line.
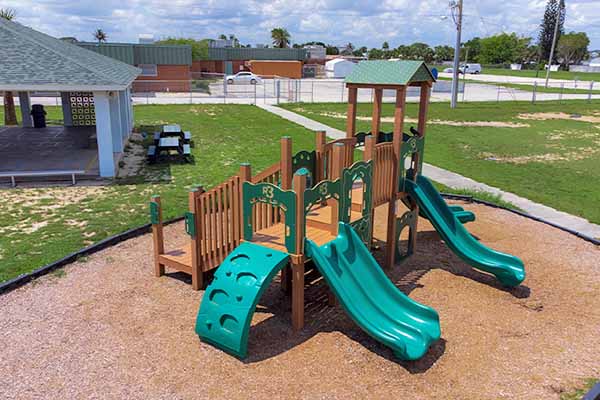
[(553, 45), (458, 23)]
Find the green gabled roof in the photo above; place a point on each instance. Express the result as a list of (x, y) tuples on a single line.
[(383, 72), (31, 60)]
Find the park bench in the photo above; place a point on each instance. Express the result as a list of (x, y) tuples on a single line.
[(16, 174)]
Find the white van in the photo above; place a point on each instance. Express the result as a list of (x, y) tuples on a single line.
[(470, 69)]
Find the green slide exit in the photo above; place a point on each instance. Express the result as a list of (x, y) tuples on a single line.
[(371, 299), (507, 268)]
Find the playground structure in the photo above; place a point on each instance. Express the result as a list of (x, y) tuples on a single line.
[(317, 208)]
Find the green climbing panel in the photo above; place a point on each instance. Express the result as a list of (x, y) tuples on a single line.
[(230, 300), (305, 159), (363, 171)]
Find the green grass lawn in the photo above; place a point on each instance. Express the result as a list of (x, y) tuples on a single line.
[(38, 226), (555, 162)]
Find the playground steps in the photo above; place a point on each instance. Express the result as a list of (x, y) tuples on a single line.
[(179, 258)]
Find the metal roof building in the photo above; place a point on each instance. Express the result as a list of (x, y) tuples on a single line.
[(32, 61), (135, 54), (253, 53)]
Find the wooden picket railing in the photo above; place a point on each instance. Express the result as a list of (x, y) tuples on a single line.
[(383, 170), (219, 222), (265, 215), (347, 156)]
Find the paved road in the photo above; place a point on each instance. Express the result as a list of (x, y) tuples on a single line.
[(557, 83)]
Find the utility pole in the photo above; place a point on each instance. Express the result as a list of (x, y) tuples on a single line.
[(458, 22), (553, 45)]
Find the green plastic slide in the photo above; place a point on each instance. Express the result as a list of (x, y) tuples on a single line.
[(371, 299), (507, 268), (230, 300)]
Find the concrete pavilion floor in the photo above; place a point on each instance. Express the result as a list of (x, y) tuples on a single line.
[(50, 148)]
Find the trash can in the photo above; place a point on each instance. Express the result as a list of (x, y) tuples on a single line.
[(39, 116)]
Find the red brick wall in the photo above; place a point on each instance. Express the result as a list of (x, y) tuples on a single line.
[(218, 67), (178, 77)]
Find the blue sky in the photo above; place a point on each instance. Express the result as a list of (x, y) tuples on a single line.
[(362, 22)]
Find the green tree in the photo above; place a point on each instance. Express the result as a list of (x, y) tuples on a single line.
[(443, 53), (10, 114), (281, 37), (554, 9), (223, 36), (199, 47), (100, 35), (331, 50), (420, 51), (573, 47), (375, 54), (503, 48), (385, 46), (474, 46)]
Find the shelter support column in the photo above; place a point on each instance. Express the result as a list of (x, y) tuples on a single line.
[(25, 104), (65, 101), (115, 120), (125, 128), (104, 136)]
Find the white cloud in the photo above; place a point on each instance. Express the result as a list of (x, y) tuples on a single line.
[(362, 22)]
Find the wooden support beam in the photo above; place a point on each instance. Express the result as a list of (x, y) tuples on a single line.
[(351, 115), (376, 119), (286, 184), (158, 239), (336, 172), (391, 238), (321, 140), (299, 185), (197, 275), (368, 155), (286, 162)]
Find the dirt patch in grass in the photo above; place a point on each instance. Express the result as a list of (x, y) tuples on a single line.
[(134, 159), (125, 334), (495, 124), (542, 116), (580, 154)]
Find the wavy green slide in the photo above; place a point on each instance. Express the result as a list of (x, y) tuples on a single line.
[(371, 299), (507, 268)]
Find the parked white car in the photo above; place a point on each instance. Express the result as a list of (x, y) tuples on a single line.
[(243, 77)]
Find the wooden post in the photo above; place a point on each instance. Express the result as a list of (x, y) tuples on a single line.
[(298, 258), (157, 238), (336, 172), (397, 143), (422, 124), (245, 176), (368, 155), (286, 184), (321, 140), (286, 163), (197, 276), (376, 121), (351, 115)]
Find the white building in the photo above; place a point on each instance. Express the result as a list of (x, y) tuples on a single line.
[(338, 68)]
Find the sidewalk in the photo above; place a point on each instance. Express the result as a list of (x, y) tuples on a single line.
[(457, 181)]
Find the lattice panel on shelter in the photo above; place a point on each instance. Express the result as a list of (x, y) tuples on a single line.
[(82, 108)]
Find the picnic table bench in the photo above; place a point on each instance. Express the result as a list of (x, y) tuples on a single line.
[(16, 174), (170, 138)]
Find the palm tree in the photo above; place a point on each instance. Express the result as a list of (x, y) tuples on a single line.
[(100, 35), (281, 37), (10, 115)]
